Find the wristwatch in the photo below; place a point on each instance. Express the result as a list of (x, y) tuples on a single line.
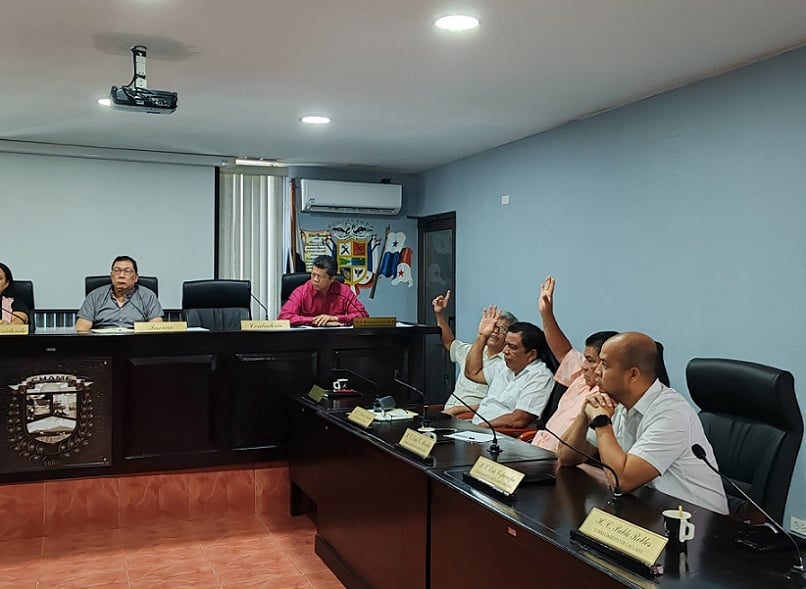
[(600, 421)]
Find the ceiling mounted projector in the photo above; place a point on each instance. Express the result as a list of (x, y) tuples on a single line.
[(136, 96)]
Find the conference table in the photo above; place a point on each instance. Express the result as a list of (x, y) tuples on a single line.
[(100, 404), (387, 519)]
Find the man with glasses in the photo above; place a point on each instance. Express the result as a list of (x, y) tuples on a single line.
[(521, 386), (323, 301), (120, 303), (470, 392)]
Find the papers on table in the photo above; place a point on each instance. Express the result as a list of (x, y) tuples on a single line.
[(394, 415), (472, 437)]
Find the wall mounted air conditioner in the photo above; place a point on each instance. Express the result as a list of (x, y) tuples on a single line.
[(362, 198)]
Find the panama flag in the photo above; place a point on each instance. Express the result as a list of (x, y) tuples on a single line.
[(391, 254), (404, 268)]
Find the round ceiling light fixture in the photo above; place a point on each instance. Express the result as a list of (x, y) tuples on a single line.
[(315, 120), (457, 22)]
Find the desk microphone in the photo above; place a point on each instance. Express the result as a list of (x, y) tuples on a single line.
[(351, 302), (262, 306), (541, 425), (494, 449), (16, 314), (425, 424), (374, 384), (699, 452)]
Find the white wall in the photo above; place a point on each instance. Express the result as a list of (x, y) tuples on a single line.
[(66, 218)]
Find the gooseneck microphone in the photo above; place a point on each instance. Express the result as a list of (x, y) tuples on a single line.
[(699, 452), (262, 306), (617, 490), (356, 308), (361, 377), (424, 422), (494, 448)]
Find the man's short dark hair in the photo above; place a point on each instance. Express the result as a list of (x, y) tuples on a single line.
[(326, 263), (597, 340), (125, 259), (532, 336)]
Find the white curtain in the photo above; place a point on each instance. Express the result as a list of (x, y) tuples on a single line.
[(250, 236)]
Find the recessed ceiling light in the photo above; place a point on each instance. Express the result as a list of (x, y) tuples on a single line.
[(105, 102), (457, 22), (315, 120)]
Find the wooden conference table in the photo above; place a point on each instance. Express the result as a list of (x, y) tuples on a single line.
[(387, 520), (79, 405)]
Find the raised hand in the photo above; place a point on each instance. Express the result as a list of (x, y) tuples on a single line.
[(489, 318), (545, 303), (440, 302)]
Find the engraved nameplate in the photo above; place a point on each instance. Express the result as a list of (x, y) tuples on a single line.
[(623, 536), (361, 416), (152, 326), (265, 324), (500, 477), (417, 443)]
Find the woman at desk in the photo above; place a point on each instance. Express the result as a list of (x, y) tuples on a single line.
[(13, 309)]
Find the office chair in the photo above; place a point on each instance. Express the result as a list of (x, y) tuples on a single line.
[(294, 280), (216, 304), (751, 418), (93, 282), (24, 290)]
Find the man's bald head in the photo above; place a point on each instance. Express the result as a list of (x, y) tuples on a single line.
[(632, 349)]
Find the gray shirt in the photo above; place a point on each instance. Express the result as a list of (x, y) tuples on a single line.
[(101, 308)]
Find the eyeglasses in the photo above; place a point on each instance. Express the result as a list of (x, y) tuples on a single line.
[(501, 329), (124, 271)]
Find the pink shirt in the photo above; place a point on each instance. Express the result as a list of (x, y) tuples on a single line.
[(570, 404), (305, 303)]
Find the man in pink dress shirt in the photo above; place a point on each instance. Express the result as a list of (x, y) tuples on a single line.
[(322, 301), (577, 370)]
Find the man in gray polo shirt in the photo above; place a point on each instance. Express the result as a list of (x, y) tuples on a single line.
[(121, 303)]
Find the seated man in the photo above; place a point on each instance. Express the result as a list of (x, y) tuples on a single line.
[(644, 430), (470, 392), (121, 303), (521, 386), (322, 301), (576, 371)]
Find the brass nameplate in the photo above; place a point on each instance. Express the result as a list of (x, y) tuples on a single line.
[(316, 393), (14, 329), (623, 536), (375, 322), (417, 443), (265, 324), (361, 416), (152, 326), (501, 477)]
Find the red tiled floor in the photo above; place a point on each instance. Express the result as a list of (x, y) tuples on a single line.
[(265, 551)]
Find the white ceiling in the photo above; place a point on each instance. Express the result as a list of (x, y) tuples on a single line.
[(402, 95)]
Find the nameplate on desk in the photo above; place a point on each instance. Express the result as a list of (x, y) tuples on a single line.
[(265, 324), (361, 416), (152, 326), (624, 537), (316, 393), (417, 443), (374, 322), (14, 329), (498, 476)]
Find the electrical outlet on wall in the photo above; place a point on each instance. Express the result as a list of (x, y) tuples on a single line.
[(504, 199), (797, 525)]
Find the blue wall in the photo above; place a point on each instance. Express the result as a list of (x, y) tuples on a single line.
[(396, 300), (681, 216)]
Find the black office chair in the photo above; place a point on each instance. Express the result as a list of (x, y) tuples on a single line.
[(751, 417), (93, 282), (294, 280), (216, 304), (24, 291)]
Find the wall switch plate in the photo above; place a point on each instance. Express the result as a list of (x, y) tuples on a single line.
[(504, 199)]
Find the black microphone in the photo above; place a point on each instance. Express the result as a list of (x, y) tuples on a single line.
[(262, 306), (360, 376), (16, 314), (424, 422), (494, 449), (617, 490), (351, 302), (699, 452)]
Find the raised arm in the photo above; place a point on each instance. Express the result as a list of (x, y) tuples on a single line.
[(474, 365), (558, 343), (439, 304)]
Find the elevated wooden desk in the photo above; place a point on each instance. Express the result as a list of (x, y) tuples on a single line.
[(169, 401)]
